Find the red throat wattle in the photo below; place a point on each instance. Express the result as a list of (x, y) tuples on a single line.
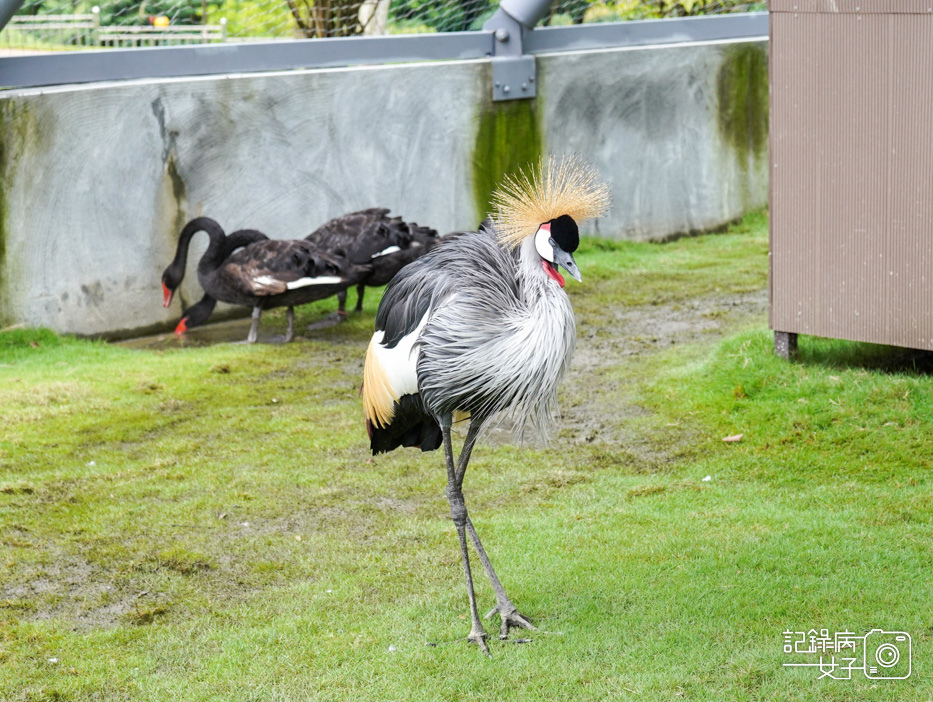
[(552, 272), (166, 295)]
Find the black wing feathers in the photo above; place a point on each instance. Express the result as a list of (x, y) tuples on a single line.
[(410, 427)]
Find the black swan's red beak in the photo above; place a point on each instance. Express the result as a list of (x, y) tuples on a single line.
[(166, 295), (182, 326)]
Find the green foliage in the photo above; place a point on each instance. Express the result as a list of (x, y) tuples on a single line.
[(138, 12), (452, 16), (320, 18), (121, 12), (54, 7), (246, 19), (583, 11)]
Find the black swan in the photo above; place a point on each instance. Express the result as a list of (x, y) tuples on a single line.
[(370, 236), (262, 275), (219, 249)]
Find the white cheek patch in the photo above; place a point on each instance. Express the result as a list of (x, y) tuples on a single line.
[(386, 252), (543, 245)]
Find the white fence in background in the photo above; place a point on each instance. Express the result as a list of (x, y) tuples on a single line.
[(85, 30)]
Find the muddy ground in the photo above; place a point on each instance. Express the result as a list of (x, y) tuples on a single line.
[(593, 410)]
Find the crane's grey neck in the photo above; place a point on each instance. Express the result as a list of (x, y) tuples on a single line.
[(555, 336)]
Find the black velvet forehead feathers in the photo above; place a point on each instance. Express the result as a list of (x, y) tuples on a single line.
[(565, 233)]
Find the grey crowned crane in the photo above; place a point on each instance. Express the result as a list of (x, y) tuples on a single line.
[(480, 326), (265, 274)]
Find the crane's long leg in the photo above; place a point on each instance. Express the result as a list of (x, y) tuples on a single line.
[(254, 326), (458, 514), (508, 613)]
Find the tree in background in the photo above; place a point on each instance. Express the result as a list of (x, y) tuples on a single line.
[(327, 18)]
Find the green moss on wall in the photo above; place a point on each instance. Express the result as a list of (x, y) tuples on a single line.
[(509, 138), (6, 134), (742, 87), (179, 194), (4, 183), (16, 129)]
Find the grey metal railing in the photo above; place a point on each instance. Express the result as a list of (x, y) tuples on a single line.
[(504, 38)]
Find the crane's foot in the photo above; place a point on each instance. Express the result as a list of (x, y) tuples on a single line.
[(513, 619), (478, 636)]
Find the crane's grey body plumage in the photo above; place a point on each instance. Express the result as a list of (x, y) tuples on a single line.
[(499, 341), (497, 336)]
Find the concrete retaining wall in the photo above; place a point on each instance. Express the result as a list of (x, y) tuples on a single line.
[(96, 181)]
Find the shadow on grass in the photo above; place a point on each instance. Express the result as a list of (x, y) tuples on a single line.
[(835, 353)]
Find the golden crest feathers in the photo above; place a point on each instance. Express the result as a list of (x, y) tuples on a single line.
[(557, 186)]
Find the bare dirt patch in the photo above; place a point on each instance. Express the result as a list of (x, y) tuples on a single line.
[(595, 404)]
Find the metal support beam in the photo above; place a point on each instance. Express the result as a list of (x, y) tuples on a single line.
[(526, 12), (8, 8), (513, 70)]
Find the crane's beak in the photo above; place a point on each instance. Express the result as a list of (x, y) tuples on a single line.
[(565, 260)]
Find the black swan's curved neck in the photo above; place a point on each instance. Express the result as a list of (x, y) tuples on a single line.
[(212, 257), (196, 315)]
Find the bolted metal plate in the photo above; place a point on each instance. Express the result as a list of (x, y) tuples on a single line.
[(513, 78)]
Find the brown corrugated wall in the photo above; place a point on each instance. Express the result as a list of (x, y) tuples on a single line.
[(852, 169)]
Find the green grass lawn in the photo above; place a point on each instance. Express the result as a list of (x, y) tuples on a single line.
[(206, 523)]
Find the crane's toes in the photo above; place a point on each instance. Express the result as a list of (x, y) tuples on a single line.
[(511, 620), (479, 638)]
